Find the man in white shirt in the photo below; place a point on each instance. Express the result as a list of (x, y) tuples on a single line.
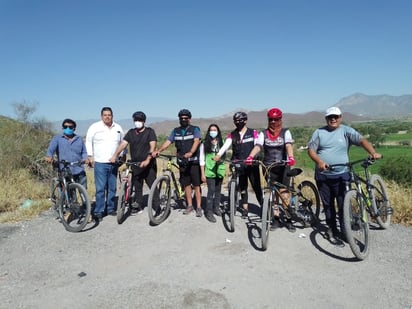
[(102, 139)]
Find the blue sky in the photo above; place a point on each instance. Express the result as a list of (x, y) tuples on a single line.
[(213, 56)]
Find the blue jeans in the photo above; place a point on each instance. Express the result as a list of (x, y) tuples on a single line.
[(332, 188), (105, 179)]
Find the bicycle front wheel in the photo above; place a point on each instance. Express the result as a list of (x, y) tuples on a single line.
[(158, 204), (380, 202), (74, 208), (123, 203), (266, 216), (232, 204), (309, 199), (55, 192), (355, 224)]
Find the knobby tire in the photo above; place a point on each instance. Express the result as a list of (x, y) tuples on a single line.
[(309, 199), (266, 216), (380, 202), (159, 200), (74, 212), (355, 224), (232, 204)]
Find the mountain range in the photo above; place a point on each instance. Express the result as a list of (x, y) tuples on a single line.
[(357, 107)]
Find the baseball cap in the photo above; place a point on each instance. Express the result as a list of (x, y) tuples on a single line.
[(333, 111)]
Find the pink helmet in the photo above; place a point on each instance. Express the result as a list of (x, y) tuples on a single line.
[(274, 113)]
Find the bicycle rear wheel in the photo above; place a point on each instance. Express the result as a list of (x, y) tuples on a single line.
[(232, 204), (266, 216), (309, 200), (355, 224), (158, 204), (123, 203), (380, 202), (74, 209)]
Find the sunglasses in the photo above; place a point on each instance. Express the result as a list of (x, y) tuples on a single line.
[(68, 127), (274, 119), (330, 117)]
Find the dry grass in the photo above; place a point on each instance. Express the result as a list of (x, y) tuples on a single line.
[(20, 187)]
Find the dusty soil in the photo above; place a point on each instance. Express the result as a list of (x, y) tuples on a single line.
[(187, 262)]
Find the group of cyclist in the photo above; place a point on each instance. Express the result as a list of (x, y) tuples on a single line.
[(203, 160)]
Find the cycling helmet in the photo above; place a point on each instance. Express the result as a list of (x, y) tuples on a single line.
[(238, 116), (139, 116), (185, 112), (274, 113)]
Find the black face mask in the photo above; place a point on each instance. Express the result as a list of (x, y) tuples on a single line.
[(184, 123), (239, 125)]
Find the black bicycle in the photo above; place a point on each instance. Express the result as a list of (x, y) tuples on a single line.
[(364, 195), (235, 166), (70, 199), (126, 194), (304, 204), (165, 188)]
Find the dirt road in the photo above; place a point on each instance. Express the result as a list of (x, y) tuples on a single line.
[(187, 262)]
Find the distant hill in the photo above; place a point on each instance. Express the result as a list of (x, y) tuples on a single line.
[(356, 108), (256, 119), (377, 106)]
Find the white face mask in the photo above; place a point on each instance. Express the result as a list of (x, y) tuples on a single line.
[(138, 124), (213, 134)]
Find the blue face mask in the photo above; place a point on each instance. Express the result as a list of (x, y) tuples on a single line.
[(213, 134), (68, 131)]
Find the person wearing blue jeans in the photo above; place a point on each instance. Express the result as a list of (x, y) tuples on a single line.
[(102, 139), (330, 145)]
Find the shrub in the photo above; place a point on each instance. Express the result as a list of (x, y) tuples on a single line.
[(398, 169)]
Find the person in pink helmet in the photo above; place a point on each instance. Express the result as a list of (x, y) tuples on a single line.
[(277, 145)]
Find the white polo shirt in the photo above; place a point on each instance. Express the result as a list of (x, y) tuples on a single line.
[(102, 141)]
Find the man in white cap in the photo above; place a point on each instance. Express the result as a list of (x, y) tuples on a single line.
[(330, 145)]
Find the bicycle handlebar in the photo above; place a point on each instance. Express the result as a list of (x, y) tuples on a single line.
[(67, 163), (365, 162)]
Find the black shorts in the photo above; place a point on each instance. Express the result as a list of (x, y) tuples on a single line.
[(190, 175)]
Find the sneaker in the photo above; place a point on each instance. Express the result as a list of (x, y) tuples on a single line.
[(188, 210), (113, 213), (245, 213), (291, 228), (136, 210), (98, 217), (198, 212), (275, 224), (217, 211), (210, 217), (331, 236)]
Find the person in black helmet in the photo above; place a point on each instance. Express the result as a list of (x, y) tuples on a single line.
[(187, 140), (243, 140), (142, 141)]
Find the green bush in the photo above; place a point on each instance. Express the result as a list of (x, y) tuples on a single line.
[(398, 169)]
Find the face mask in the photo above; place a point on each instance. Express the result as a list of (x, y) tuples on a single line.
[(68, 131), (184, 123), (239, 125), (138, 124), (213, 134)]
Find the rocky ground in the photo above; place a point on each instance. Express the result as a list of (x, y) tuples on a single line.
[(188, 262)]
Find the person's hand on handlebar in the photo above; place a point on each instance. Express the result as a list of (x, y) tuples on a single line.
[(375, 156), (291, 161), (249, 160)]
